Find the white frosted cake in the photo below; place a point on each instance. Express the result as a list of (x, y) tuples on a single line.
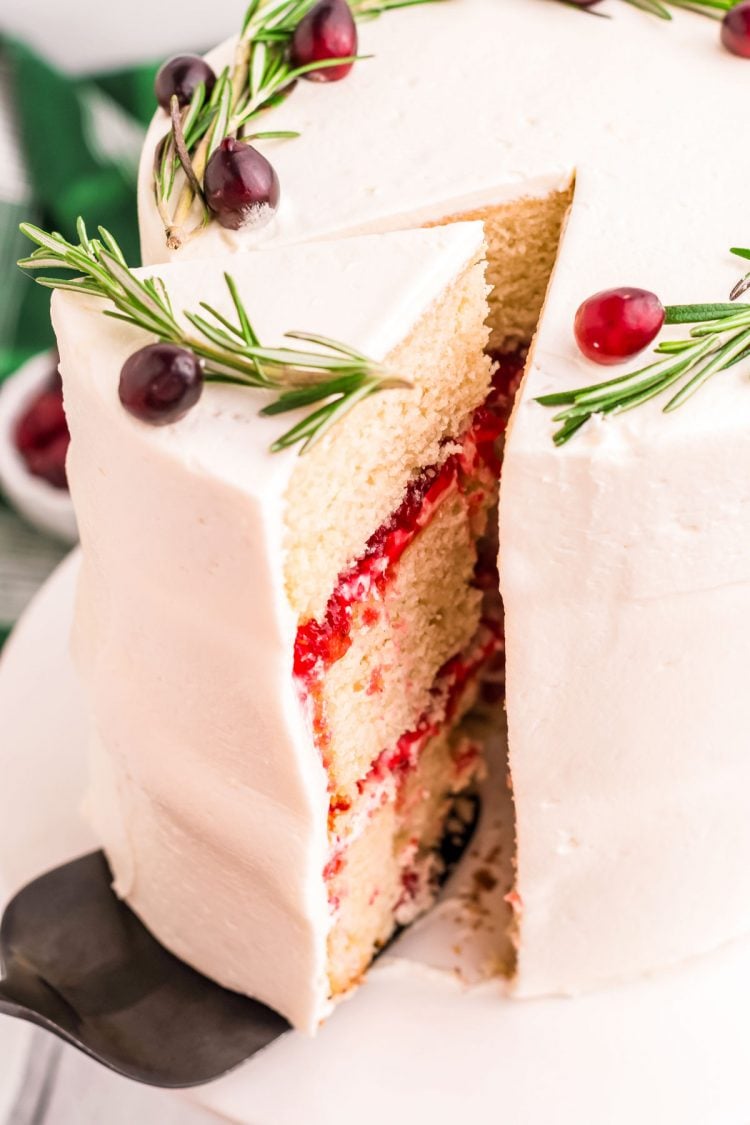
[(248, 804)]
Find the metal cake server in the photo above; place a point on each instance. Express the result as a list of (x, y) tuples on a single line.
[(79, 963)]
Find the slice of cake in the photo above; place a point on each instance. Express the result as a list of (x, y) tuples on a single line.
[(279, 648)]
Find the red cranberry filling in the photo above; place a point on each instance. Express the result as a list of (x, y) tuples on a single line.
[(321, 643), (450, 683), (400, 760)]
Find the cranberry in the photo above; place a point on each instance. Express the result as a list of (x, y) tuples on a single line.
[(615, 324), (735, 30), (48, 461), (241, 187), (182, 75), (42, 422), (328, 31), (160, 383), (41, 434)]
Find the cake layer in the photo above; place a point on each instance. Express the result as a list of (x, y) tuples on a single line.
[(522, 239), (402, 609), (382, 685), (352, 481), (384, 871)]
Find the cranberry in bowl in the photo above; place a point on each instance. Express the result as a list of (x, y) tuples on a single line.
[(33, 445)]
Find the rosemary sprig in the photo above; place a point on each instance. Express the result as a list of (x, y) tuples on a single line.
[(329, 375), (261, 76), (713, 8), (719, 338)]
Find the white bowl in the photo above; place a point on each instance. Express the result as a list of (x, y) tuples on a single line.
[(48, 508)]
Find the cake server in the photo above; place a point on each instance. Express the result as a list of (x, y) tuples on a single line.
[(79, 963)]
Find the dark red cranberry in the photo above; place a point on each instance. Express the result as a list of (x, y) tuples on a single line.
[(160, 383), (328, 31), (615, 324), (182, 75), (41, 434), (48, 461), (43, 421), (241, 186), (735, 30)]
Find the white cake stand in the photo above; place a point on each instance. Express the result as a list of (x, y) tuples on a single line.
[(414, 1044)]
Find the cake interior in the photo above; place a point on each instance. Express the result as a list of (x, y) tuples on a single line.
[(398, 617)]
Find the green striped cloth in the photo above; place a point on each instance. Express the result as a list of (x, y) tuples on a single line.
[(69, 146)]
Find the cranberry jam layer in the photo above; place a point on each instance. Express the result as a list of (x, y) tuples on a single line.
[(388, 673)]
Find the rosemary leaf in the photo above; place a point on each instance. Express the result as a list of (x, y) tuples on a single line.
[(714, 9), (692, 314), (246, 329), (720, 361), (306, 396)]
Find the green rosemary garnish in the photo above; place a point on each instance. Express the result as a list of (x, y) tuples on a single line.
[(713, 8), (719, 340), (261, 76), (335, 376)]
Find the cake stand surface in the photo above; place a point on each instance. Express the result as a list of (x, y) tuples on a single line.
[(415, 1043)]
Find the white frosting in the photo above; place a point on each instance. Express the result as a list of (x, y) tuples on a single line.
[(206, 788), (625, 555)]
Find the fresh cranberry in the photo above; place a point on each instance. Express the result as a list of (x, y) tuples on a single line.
[(42, 422), (182, 75), (616, 324), (160, 383), (48, 461), (41, 434), (735, 30), (241, 186), (328, 31)]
